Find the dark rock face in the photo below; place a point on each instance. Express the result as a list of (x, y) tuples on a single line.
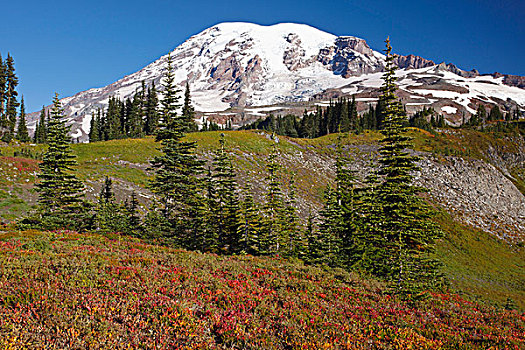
[(412, 62), (511, 80), (349, 57)]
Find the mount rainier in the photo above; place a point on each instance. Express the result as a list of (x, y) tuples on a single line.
[(242, 70)]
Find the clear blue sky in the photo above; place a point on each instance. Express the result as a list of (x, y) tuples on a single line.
[(70, 46)]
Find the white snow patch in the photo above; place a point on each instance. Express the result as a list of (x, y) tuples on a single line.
[(449, 109)]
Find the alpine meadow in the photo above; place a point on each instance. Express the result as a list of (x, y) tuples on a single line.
[(263, 187)]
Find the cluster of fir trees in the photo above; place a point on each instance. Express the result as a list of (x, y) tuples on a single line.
[(340, 116), (383, 228), (9, 104), (200, 208), (136, 117)]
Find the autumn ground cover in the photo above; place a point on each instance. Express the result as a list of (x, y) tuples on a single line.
[(71, 290)]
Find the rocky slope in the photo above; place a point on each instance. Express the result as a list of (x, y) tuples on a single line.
[(234, 66)]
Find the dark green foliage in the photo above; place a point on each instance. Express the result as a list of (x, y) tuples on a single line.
[(40, 135), (94, 129), (109, 215), (60, 201), (177, 180), (271, 236), (295, 242), (188, 112), (405, 238), (8, 98), (152, 116), (250, 222), (224, 202), (22, 134), (495, 113), (171, 125), (325, 245)]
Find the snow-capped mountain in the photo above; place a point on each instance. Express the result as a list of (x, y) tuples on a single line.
[(244, 65)]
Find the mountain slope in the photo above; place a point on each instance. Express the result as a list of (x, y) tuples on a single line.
[(71, 290), (238, 65)]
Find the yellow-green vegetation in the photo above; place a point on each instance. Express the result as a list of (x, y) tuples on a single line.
[(481, 265)]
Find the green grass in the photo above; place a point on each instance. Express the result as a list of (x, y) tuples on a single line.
[(480, 265)]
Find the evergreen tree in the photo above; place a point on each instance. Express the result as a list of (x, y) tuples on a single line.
[(22, 134), (3, 87), (295, 244), (177, 179), (133, 216), (405, 234), (171, 125), (11, 103), (41, 128), (152, 116), (109, 215), (325, 245), (225, 208), (94, 129), (495, 113), (60, 200), (271, 238), (249, 228), (188, 112)]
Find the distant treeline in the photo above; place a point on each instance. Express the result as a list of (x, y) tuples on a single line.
[(341, 116)]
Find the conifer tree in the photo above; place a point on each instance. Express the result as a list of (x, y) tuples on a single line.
[(60, 201), (188, 112), (41, 128), (133, 216), (22, 134), (3, 88), (11, 100), (94, 129), (225, 207), (249, 228), (171, 125), (152, 117), (325, 246), (295, 244), (405, 235), (271, 238), (177, 179)]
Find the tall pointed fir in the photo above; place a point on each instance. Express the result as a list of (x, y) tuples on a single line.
[(60, 193), (3, 87), (177, 180), (324, 245), (250, 222), (22, 134), (271, 236), (188, 112), (171, 125), (109, 215), (94, 129), (225, 209), (406, 236), (40, 135), (11, 104), (152, 117), (296, 243)]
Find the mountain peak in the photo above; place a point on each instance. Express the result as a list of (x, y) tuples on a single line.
[(240, 64)]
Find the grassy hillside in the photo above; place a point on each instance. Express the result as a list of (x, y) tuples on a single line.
[(70, 290), (478, 265)]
